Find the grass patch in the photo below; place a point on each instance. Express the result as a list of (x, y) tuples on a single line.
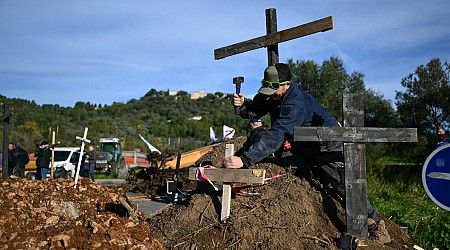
[(106, 176), (397, 193)]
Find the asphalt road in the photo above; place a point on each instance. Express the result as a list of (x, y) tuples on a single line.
[(110, 182), (147, 206)]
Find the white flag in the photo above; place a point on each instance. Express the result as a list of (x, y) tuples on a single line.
[(212, 135), (228, 132), (150, 146)]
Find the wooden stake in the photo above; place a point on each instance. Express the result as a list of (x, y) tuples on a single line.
[(226, 202), (229, 150), (52, 169)]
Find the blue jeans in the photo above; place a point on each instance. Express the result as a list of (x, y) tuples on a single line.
[(43, 173), (91, 171)]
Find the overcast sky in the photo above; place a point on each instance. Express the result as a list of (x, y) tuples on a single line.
[(105, 51)]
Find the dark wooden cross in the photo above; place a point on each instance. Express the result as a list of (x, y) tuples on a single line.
[(5, 119), (273, 38), (354, 136)]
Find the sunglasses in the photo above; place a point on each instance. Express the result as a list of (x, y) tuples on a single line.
[(272, 85)]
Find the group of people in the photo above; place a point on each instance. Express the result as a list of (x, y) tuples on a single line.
[(289, 107), (18, 158)]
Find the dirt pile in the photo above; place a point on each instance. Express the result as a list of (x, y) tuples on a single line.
[(285, 213), (55, 214)]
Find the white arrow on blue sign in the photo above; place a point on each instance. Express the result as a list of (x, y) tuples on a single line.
[(436, 176)]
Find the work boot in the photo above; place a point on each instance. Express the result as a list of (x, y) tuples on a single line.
[(378, 232)]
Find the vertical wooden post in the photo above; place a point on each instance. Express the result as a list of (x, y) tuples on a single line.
[(52, 170), (271, 27), (355, 169), (176, 179), (5, 170), (229, 150), (226, 191)]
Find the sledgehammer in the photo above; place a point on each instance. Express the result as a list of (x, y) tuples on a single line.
[(238, 80)]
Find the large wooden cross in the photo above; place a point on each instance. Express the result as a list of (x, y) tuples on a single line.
[(354, 136), (273, 38), (5, 119)]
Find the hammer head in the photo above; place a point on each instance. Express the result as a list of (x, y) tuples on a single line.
[(237, 81)]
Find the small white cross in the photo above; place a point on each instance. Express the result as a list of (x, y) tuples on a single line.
[(83, 140)]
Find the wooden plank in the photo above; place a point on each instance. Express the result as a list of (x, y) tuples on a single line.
[(5, 119), (271, 28), (231, 175), (226, 202), (356, 189), (229, 150), (355, 134), (189, 158), (310, 28), (355, 169), (6, 114)]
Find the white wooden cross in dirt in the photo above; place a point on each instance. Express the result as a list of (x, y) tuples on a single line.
[(228, 175), (83, 140), (354, 136)]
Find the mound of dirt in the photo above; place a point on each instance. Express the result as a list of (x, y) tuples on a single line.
[(57, 214), (284, 213)]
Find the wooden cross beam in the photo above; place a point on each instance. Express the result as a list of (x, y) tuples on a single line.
[(273, 37), (231, 175), (227, 176), (354, 136), (5, 119)]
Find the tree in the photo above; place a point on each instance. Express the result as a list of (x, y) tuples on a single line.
[(378, 112), (306, 74), (425, 104)]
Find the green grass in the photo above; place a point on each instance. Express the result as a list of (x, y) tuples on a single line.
[(397, 193), (106, 176)]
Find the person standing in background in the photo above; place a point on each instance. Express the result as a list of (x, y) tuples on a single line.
[(43, 155), (91, 156), (21, 159), (11, 162)]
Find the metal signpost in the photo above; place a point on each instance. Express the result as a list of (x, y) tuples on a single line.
[(436, 176)]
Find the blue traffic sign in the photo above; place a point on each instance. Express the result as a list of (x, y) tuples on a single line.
[(436, 176)]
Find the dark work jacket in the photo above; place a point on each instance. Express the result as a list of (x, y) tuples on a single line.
[(296, 108), (43, 158), (92, 156), (20, 157), (11, 161), (254, 137)]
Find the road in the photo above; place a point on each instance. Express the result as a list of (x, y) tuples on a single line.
[(110, 182), (148, 206)]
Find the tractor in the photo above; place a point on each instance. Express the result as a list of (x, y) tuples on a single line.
[(110, 159)]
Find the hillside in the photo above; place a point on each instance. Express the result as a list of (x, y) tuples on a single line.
[(158, 116)]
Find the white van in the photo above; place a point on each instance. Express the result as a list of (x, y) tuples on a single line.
[(66, 158)]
